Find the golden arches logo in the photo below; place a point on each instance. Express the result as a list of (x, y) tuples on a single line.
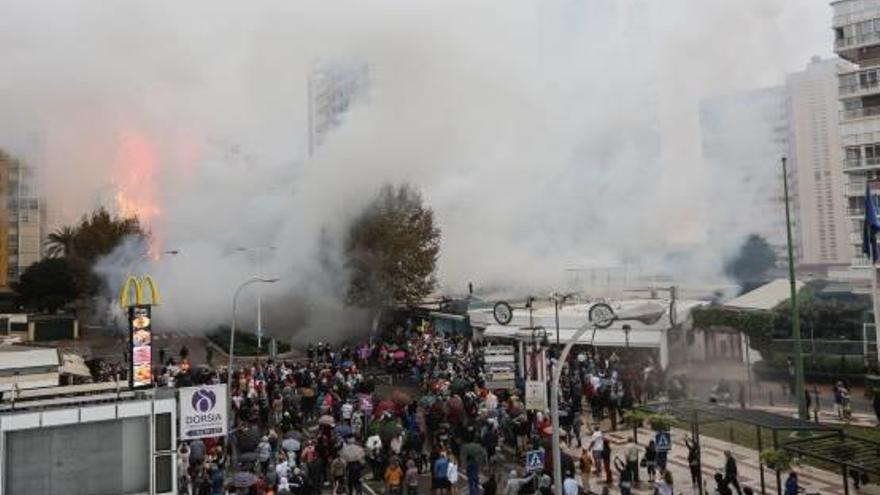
[(138, 284)]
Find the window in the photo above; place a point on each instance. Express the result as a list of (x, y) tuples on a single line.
[(852, 104), (872, 154), (868, 79), (853, 154)]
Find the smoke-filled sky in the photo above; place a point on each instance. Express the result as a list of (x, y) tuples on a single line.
[(544, 133)]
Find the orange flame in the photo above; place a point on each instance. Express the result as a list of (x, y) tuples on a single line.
[(134, 177), (136, 171)]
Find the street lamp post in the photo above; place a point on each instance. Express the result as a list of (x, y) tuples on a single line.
[(795, 313), (250, 281), (593, 325), (554, 402), (556, 308), (259, 273)]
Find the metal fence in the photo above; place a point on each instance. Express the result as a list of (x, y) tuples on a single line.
[(826, 347), (779, 394), (775, 394)]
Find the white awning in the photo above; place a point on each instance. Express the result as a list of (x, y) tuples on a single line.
[(765, 297), (644, 338), (16, 357)]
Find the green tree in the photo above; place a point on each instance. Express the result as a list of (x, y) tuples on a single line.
[(60, 242), (47, 285), (392, 249), (823, 317), (73, 251), (753, 262), (98, 233)]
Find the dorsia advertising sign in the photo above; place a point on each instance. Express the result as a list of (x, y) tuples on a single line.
[(141, 336), (203, 412)]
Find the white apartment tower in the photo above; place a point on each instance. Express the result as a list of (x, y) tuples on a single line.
[(856, 26), (816, 159), (745, 134)]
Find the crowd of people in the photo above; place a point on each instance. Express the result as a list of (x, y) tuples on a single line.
[(317, 424)]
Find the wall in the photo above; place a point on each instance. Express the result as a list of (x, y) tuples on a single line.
[(87, 450)]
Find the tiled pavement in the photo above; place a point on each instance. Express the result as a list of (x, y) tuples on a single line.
[(811, 479)]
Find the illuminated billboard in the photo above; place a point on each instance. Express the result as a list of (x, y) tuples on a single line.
[(141, 343)]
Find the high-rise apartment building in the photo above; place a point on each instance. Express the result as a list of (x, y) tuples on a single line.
[(22, 230), (333, 86), (746, 134), (856, 26), (816, 159)]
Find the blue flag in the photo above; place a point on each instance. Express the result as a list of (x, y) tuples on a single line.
[(871, 227)]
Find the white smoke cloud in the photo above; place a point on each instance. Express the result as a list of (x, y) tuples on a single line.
[(544, 133)]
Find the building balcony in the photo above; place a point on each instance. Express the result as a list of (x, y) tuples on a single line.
[(860, 89), (855, 212), (860, 165), (861, 49), (858, 41), (860, 113), (860, 262), (855, 188), (847, 12)]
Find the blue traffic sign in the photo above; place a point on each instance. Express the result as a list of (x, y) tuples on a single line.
[(534, 461), (663, 441)]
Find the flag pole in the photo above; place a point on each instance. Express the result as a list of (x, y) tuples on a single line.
[(874, 306), (869, 246)]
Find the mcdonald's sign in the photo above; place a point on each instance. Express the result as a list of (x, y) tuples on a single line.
[(137, 284), (140, 328)]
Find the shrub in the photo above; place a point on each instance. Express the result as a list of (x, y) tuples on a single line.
[(777, 460), (661, 422), (635, 418)]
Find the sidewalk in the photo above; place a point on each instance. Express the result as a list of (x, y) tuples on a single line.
[(825, 416), (811, 479)]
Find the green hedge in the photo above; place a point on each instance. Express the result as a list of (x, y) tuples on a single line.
[(245, 343)]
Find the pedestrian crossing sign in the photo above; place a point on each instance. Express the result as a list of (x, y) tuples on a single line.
[(535, 461), (663, 441)]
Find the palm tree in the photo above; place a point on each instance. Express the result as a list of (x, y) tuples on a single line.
[(60, 243)]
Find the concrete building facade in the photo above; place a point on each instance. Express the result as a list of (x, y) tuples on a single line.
[(816, 157), (745, 135), (856, 25), (23, 222)]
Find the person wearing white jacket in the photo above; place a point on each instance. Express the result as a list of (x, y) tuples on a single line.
[(452, 476)]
